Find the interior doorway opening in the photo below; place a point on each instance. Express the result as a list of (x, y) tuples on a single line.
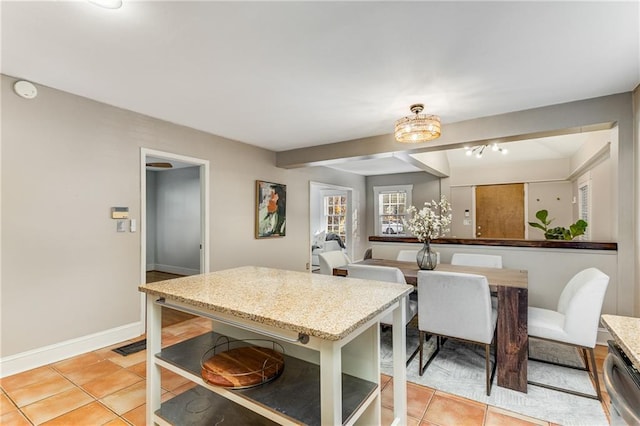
[(331, 222), (174, 225)]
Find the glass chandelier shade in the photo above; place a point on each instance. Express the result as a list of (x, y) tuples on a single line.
[(417, 128)]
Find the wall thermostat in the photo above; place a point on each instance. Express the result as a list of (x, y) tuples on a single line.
[(24, 89), (119, 212)]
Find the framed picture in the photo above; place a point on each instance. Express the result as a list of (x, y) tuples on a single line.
[(271, 209)]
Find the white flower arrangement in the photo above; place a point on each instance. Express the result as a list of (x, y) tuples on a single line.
[(432, 221)]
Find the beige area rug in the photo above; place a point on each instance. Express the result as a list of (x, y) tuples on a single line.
[(459, 369)]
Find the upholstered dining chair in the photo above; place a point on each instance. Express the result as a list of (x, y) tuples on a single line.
[(332, 259), (407, 255), (387, 274), (484, 260), (472, 259), (411, 255), (456, 305), (574, 322)]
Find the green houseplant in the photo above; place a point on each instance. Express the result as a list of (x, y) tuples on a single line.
[(559, 232)]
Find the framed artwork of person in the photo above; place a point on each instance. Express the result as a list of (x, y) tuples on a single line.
[(271, 209)]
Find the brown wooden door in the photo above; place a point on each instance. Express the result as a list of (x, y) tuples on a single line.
[(500, 211)]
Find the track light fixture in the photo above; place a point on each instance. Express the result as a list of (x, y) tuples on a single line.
[(478, 150)]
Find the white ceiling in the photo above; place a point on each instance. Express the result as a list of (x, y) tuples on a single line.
[(285, 75)]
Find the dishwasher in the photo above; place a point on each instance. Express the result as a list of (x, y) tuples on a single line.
[(622, 381)]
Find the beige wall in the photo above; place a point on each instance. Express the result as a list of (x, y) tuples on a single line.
[(66, 160), (426, 187)]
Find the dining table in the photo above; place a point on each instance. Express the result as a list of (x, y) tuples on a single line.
[(511, 287)]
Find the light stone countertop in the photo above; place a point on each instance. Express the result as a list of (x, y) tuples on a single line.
[(323, 306), (626, 332)]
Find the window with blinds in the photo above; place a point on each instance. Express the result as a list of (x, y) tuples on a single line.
[(584, 206)]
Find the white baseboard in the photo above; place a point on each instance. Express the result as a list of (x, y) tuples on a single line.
[(45, 355), (603, 336), (175, 269)]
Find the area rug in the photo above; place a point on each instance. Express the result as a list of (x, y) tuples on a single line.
[(459, 369)]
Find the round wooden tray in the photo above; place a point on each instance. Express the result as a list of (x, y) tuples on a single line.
[(241, 365)]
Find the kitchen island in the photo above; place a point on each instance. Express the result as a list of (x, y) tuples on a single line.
[(621, 369), (328, 327), (626, 332)]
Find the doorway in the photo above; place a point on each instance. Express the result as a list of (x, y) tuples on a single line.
[(174, 219), (330, 212)]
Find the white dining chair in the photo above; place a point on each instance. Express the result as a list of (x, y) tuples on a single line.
[(458, 306), (407, 255), (387, 274), (483, 260), (472, 259), (411, 255), (574, 322), (332, 259)]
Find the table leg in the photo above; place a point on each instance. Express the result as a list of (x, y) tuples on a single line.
[(513, 338)]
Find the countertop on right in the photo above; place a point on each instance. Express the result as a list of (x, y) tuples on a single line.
[(626, 332)]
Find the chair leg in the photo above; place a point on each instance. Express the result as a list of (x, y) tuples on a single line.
[(487, 366), (594, 373), (422, 368), (490, 372), (591, 370), (420, 347), (584, 358)]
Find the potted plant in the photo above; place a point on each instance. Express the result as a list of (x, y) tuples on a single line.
[(559, 232)]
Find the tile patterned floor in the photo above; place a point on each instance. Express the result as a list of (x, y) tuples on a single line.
[(105, 388)]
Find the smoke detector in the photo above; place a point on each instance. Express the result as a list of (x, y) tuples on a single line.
[(24, 89)]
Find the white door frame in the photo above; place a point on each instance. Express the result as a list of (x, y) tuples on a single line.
[(351, 231), (204, 166)]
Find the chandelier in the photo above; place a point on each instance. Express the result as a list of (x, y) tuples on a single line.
[(478, 150), (417, 128)]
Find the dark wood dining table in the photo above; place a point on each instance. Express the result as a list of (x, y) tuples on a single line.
[(512, 337)]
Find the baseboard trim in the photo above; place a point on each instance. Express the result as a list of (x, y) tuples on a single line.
[(179, 270), (45, 355), (603, 336)]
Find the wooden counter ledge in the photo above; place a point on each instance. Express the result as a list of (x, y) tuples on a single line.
[(581, 245)]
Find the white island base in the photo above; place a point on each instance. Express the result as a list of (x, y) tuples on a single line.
[(332, 365)]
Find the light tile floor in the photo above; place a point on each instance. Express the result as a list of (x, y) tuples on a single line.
[(105, 388)]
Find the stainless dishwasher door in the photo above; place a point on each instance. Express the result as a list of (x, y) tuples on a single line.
[(623, 391)]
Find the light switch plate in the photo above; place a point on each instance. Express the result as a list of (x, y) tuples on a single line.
[(121, 225)]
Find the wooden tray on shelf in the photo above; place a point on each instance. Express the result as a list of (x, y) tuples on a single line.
[(241, 365)]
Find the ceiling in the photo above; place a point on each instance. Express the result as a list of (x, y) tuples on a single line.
[(287, 75)]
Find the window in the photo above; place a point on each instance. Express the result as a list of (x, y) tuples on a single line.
[(335, 215), (391, 203), (584, 203)]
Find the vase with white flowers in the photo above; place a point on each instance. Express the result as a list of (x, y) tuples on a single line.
[(432, 221)]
